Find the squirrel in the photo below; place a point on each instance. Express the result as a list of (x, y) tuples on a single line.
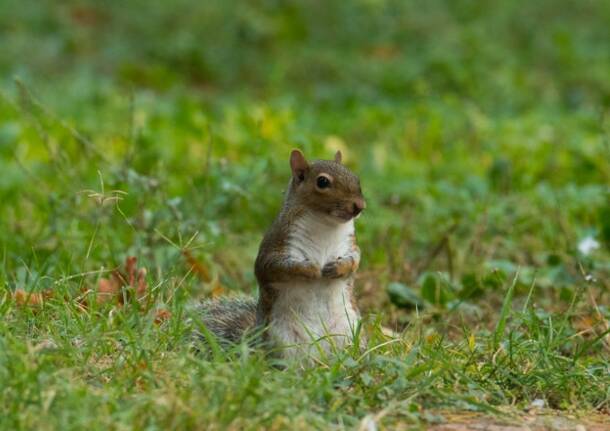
[(305, 267)]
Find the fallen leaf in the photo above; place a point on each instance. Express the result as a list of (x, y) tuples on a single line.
[(586, 323), (162, 315), (217, 289), (35, 299), (107, 290), (197, 267), (141, 285), (122, 285)]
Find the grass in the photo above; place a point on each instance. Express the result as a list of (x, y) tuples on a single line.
[(484, 161)]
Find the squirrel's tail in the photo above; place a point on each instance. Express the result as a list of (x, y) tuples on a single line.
[(229, 318)]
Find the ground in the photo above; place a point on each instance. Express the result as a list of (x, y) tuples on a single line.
[(481, 134)]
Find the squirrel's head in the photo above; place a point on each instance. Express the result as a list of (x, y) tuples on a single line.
[(326, 187)]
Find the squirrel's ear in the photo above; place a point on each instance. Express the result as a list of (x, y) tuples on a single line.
[(338, 156), (298, 164)]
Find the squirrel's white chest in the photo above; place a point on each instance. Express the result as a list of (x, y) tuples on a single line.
[(307, 310), (319, 241)]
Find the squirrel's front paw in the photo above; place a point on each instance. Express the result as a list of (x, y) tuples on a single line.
[(310, 270), (338, 268)]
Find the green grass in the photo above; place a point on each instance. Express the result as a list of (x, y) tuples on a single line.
[(481, 135)]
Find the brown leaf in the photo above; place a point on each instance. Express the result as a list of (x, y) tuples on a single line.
[(217, 289), (162, 315), (197, 267), (122, 285), (35, 299), (586, 323), (130, 268), (108, 290), (141, 285)]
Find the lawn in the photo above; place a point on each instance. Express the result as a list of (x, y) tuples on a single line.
[(480, 132)]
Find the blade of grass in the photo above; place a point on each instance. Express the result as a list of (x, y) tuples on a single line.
[(504, 312)]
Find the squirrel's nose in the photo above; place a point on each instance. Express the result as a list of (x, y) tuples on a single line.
[(359, 205)]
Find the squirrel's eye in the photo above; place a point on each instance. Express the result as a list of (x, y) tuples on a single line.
[(322, 182)]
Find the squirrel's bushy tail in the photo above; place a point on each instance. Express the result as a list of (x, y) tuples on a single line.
[(229, 318)]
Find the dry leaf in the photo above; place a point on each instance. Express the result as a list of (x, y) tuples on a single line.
[(122, 285), (107, 290), (197, 267), (35, 299), (162, 315), (217, 289), (586, 323)]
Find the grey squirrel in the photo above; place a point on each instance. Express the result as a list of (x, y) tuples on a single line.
[(305, 267)]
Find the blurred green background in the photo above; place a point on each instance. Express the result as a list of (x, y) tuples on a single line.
[(162, 130), (480, 131)]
